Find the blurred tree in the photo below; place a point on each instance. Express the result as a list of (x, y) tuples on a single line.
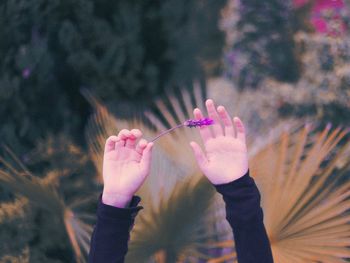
[(324, 86), (261, 42), (321, 52), (125, 52)]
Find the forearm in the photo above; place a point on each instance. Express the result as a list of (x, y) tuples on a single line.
[(109, 241), (244, 214)]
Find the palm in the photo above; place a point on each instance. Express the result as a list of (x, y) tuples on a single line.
[(125, 166), (225, 158), (122, 171)]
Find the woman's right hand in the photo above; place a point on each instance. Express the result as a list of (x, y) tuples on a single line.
[(126, 164)]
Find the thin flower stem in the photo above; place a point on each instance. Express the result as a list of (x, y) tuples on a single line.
[(189, 123), (167, 131)]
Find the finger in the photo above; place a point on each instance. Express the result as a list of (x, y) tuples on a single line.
[(204, 130), (241, 134), (122, 136), (217, 128), (226, 120), (141, 146), (119, 143), (199, 155), (110, 143), (131, 140), (137, 133), (147, 155)]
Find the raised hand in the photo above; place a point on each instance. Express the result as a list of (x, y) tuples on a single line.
[(225, 158), (125, 166)]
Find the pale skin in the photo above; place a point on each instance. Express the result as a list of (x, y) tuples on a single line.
[(126, 163)]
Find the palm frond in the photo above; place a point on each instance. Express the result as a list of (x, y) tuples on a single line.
[(14, 209), (23, 257), (178, 226), (100, 126), (43, 193), (79, 234), (304, 196), (25, 184)]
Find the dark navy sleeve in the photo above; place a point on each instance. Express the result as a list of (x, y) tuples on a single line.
[(245, 216), (109, 240)]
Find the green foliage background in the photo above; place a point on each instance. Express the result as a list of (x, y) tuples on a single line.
[(125, 52)]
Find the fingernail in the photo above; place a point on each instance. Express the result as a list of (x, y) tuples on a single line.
[(221, 108), (137, 133), (209, 101)]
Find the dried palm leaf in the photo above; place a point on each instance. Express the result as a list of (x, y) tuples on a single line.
[(44, 194), (178, 227), (23, 257), (14, 209), (305, 197)]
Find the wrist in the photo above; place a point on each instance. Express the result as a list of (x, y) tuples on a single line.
[(116, 200)]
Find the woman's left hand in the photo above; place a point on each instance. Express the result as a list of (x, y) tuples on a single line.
[(225, 158)]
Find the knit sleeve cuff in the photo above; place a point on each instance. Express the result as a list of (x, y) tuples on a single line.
[(245, 181), (108, 211)]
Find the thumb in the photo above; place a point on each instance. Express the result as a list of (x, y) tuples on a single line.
[(147, 155), (198, 153)]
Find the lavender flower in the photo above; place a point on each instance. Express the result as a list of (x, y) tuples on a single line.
[(189, 123), (198, 123)]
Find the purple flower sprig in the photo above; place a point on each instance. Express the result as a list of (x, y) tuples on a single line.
[(189, 123), (198, 123)]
